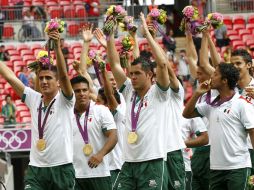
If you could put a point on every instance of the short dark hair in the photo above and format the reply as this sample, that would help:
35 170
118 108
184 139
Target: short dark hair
79 79
146 64
244 54
49 67
182 51
7 96
146 54
229 72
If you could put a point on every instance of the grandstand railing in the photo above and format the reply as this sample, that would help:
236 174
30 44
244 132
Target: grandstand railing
234 6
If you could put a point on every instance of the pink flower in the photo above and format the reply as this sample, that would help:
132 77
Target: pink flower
154 13
217 16
188 12
92 54
119 9
53 24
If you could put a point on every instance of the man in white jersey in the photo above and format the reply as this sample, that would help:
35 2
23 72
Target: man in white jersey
229 125
242 60
144 135
51 110
94 137
194 133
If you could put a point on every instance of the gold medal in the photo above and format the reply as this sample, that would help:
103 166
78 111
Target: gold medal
41 144
132 137
88 149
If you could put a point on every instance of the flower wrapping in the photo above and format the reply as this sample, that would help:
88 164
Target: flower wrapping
127 24
54 24
215 19
115 14
158 15
127 46
42 59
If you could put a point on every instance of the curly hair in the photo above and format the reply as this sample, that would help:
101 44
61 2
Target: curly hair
229 72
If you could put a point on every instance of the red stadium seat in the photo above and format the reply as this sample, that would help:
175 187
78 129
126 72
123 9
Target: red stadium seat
237 27
244 32
251 19
238 19
55 12
80 11
77 50
227 20
35 46
10 47
75 45
234 38
232 32
15 58
250 42
250 26
13 52
238 44
22 47
8 31
246 37
28 58
24 52
73 29
69 11
26 119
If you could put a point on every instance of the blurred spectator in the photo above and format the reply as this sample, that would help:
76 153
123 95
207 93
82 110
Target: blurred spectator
2 17
227 55
201 5
169 42
32 79
4 55
18 6
183 68
23 76
29 25
65 52
9 111
221 36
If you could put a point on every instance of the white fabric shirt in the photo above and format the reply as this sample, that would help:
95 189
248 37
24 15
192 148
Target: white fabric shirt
150 127
174 120
116 155
227 132
190 128
57 131
99 121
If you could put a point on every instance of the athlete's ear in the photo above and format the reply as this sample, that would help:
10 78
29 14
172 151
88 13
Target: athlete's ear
58 83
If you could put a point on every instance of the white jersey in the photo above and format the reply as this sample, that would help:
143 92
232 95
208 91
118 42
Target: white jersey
243 92
227 132
99 121
57 132
150 126
190 128
116 155
174 120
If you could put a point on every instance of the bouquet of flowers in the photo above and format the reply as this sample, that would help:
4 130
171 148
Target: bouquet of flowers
54 24
127 24
42 59
94 59
115 14
127 46
190 20
213 19
157 15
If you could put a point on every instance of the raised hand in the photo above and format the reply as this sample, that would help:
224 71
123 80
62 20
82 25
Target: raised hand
76 66
144 28
100 37
203 87
87 33
250 91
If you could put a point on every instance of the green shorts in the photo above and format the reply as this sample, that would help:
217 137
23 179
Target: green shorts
146 175
50 178
96 183
229 179
252 160
188 177
114 178
176 170
200 167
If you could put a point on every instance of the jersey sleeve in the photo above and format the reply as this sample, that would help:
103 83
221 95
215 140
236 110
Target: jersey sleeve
69 102
30 97
203 109
247 114
107 120
198 125
126 89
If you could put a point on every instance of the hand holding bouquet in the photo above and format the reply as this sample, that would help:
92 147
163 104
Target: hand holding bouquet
127 46
213 19
53 24
157 15
115 14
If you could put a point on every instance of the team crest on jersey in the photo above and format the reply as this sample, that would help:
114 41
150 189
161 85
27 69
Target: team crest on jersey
246 98
226 111
90 119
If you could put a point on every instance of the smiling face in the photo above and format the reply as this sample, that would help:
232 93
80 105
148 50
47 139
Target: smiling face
48 82
241 65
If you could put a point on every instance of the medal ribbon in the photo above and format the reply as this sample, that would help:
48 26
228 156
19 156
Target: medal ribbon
41 127
217 102
84 132
134 117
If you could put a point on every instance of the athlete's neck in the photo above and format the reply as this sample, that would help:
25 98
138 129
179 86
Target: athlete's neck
244 81
48 98
80 108
142 92
226 93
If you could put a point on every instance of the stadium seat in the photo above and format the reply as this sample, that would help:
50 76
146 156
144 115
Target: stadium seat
35 46
227 20
55 12
251 19
8 31
22 47
24 113
28 58
238 44
250 42
246 37
234 38
15 58
69 11
237 27
238 19
24 52
80 11
13 52
10 47
250 26
26 119
75 45
232 32
243 32
77 50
